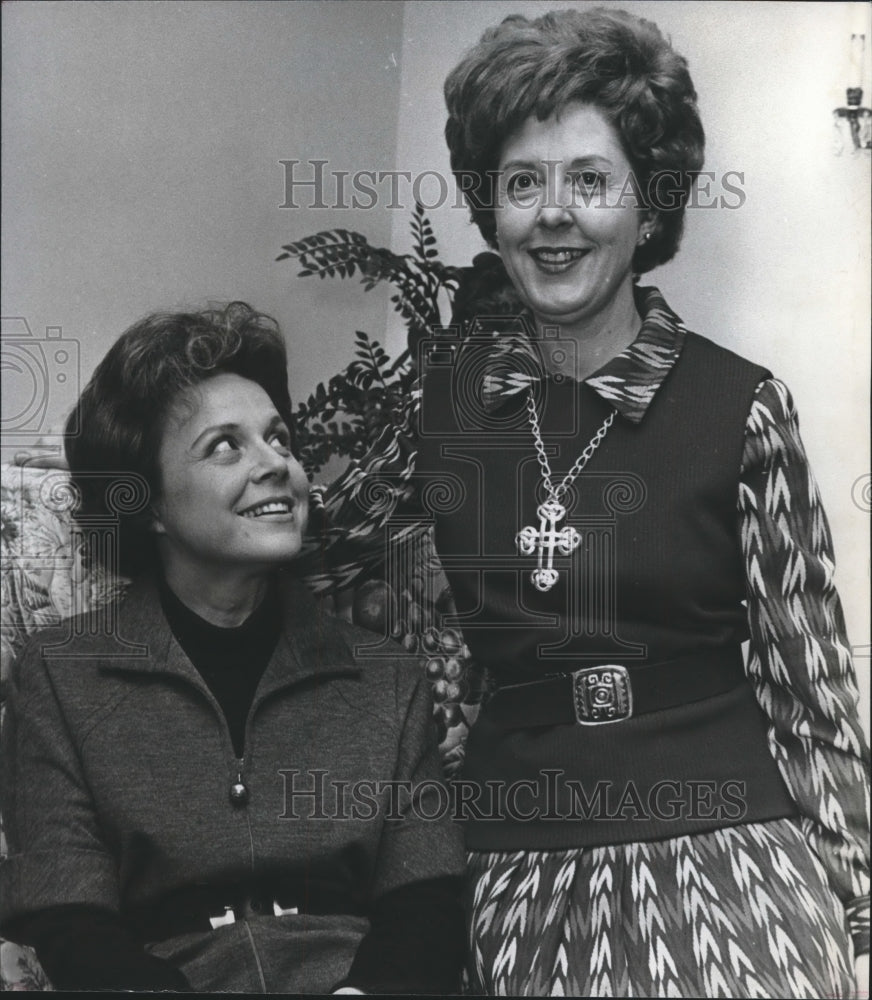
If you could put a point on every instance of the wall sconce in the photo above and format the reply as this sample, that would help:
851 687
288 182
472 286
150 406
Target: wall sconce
853 120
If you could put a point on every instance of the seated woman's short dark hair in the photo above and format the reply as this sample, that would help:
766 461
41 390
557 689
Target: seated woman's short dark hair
122 410
608 58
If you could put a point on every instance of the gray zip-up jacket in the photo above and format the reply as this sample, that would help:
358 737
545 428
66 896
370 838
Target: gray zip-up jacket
119 774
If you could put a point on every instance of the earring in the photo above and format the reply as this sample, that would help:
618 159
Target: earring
647 236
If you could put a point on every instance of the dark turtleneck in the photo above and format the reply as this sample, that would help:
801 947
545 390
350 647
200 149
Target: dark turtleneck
230 660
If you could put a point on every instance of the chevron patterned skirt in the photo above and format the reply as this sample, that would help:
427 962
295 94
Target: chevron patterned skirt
743 911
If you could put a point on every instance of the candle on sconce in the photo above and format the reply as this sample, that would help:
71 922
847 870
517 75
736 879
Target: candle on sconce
853 119
858 47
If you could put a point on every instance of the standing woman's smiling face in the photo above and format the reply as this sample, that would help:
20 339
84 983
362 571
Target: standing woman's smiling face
232 495
566 237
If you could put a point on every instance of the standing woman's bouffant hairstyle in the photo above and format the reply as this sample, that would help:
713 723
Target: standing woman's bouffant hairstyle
604 57
122 411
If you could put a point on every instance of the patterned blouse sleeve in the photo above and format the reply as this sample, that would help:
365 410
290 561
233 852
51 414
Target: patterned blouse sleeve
373 503
800 661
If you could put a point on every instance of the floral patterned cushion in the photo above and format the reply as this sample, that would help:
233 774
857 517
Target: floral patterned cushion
42 580
43 577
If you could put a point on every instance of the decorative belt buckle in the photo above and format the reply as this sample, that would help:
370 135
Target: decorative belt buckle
227 917
247 909
601 694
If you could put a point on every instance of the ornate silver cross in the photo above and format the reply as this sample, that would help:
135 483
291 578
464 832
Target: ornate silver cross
544 540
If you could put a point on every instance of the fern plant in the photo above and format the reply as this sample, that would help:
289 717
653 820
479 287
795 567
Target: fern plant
347 415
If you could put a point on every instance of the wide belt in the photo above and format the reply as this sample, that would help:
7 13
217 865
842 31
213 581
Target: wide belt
206 907
608 693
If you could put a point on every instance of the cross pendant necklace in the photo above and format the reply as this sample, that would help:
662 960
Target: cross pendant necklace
548 538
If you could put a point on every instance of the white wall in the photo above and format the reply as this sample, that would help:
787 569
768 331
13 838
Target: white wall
784 280
141 149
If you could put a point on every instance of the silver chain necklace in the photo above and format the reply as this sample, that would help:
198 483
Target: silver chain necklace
547 538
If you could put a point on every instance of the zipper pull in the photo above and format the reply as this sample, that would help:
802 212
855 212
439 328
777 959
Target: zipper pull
239 790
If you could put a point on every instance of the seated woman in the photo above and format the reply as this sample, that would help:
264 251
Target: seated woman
214 790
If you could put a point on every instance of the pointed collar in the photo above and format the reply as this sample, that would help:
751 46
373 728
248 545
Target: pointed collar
311 644
628 382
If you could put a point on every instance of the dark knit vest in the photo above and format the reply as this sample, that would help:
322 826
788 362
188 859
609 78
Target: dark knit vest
659 575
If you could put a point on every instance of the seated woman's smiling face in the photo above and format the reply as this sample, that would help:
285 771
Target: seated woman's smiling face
565 235
232 495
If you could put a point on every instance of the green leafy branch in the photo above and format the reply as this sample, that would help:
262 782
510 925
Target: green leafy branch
419 277
347 415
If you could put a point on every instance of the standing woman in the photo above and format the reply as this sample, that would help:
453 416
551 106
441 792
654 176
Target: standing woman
632 504
728 543
199 797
